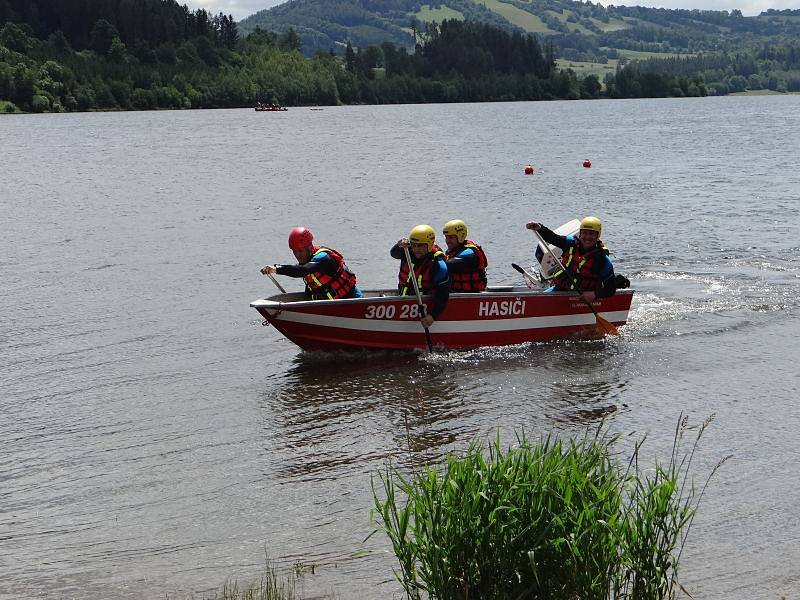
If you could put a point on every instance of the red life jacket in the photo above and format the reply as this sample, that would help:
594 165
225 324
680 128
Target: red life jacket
422 271
583 267
330 287
469 281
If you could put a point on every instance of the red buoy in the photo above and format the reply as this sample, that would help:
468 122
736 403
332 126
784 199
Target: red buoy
528 169
587 163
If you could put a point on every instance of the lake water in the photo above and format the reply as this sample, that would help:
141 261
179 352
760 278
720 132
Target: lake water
156 439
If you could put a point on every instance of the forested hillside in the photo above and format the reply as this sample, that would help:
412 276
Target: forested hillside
138 23
193 60
574 26
580 32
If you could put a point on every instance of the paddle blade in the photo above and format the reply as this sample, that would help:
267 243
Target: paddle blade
606 327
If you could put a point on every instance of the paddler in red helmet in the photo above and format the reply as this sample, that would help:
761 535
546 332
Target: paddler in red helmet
586 259
323 269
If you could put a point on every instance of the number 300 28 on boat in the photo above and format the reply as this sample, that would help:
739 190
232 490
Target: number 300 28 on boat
382 320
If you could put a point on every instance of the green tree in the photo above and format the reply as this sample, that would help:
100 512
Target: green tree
167 54
102 36
23 84
187 52
350 58
116 52
168 97
121 90
373 57
40 104
590 87
103 95
737 83
206 51
86 97
14 38
59 42
143 99
290 40
229 32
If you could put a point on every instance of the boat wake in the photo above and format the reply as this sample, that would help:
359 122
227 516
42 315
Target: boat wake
686 303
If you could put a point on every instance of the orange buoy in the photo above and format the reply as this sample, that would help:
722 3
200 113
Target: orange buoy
528 169
587 163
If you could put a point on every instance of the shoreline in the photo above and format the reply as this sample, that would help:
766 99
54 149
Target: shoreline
17 111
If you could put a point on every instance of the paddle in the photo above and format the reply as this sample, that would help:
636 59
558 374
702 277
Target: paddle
421 306
529 280
275 281
603 325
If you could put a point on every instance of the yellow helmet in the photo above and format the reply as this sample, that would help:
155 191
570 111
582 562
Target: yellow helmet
456 227
592 224
423 234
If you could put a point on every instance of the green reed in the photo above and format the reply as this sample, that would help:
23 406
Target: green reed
270 587
557 519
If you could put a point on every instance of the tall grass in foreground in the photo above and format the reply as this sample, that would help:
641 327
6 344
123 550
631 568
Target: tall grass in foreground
549 520
268 588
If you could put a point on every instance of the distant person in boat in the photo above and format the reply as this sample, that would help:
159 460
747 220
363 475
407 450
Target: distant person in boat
325 274
429 266
585 257
466 261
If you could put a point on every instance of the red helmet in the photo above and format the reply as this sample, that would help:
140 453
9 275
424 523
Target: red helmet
300 238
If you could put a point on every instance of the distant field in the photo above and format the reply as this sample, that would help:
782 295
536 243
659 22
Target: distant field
563 16
789 18
520 18
612 25
635 54
428 14
582 69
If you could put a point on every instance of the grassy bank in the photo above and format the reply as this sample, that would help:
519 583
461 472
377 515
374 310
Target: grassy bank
554 519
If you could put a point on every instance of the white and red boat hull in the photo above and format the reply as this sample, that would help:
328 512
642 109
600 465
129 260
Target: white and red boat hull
384 321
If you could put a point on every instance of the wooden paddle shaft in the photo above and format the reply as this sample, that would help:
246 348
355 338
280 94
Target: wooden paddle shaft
413 277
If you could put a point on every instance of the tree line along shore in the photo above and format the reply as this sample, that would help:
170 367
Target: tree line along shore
168 57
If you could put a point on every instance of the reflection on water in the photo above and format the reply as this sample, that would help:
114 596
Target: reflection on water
327 406
332 401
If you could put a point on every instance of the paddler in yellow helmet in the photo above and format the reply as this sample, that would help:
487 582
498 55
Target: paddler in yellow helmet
585 258
429 269
466 261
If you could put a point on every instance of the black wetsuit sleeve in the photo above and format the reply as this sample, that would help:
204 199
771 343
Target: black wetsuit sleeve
327 266
397 252
459 264
441 294
608 282
549 236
